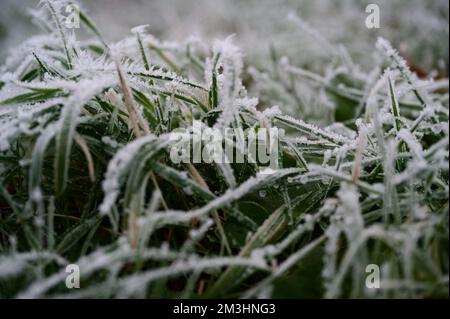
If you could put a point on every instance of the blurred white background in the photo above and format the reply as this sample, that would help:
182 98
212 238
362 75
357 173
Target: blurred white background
419 27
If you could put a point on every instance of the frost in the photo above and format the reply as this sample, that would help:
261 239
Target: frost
363 155
312 129
227 68
116 169
16 264
141 29
272 111
400 63
411 141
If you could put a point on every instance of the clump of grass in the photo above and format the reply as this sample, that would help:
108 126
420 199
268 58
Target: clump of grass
86 176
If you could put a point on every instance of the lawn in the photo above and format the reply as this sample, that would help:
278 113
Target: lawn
353 205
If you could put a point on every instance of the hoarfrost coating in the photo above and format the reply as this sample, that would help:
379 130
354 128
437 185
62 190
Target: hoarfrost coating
361 174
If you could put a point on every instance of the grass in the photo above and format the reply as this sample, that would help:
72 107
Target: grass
86 176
